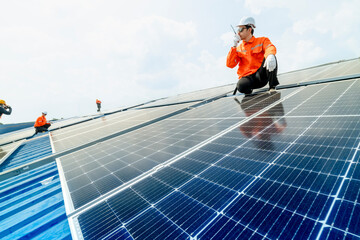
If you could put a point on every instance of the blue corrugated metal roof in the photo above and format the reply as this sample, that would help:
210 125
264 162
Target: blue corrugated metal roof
29 151
30 208
31 203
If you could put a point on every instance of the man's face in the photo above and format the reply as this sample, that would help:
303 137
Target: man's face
243 32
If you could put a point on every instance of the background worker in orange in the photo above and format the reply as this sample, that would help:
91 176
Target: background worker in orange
4 109
98 103
255 58
41 124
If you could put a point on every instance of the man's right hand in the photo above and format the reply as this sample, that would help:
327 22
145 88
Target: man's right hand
236 40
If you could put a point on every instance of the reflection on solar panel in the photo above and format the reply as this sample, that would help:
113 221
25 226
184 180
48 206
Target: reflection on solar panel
282 165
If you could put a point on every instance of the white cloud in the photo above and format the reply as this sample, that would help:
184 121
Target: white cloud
113 60
208 71
304 53
258 6
340 21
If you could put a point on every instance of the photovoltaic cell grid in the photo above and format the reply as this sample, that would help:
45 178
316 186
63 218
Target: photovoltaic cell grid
295 177
337 69
95 171
70 137
90 174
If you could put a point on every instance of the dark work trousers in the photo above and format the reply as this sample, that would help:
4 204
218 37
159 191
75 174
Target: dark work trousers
42 128
258 79
98 106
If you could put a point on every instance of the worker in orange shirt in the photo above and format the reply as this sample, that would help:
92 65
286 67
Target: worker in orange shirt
41 124
98 103
255 58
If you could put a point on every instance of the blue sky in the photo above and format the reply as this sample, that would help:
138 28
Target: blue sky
59 56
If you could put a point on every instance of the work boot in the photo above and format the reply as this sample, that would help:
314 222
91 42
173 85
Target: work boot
272 89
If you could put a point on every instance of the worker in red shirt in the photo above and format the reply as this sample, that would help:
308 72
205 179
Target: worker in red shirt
41 125
98 103
255 58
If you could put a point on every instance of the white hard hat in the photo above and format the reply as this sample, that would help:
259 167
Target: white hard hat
44 112
247 21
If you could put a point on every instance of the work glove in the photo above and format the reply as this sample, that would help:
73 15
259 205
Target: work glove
236 40
270 63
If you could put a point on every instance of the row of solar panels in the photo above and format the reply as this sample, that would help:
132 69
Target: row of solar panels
344 68
214 166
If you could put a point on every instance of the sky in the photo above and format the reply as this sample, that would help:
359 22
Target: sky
60 56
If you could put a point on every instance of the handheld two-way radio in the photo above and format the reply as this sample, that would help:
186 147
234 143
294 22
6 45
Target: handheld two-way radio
233 28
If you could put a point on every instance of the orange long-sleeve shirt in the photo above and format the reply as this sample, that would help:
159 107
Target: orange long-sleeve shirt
40 121
249 55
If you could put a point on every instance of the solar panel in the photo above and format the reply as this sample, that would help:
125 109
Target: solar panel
86 132
7 149
193 96
15 136
106 166
137 152
342 69
290 170
337 69
28 132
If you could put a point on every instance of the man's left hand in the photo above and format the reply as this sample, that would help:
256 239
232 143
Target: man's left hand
270 63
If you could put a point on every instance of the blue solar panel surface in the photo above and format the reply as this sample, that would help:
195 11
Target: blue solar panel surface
70 137
281 166
95 171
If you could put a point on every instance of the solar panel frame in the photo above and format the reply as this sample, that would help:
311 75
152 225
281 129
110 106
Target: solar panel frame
8 149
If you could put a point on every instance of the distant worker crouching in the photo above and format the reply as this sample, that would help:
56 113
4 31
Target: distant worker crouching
255 58
98 104
41 125
4 109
